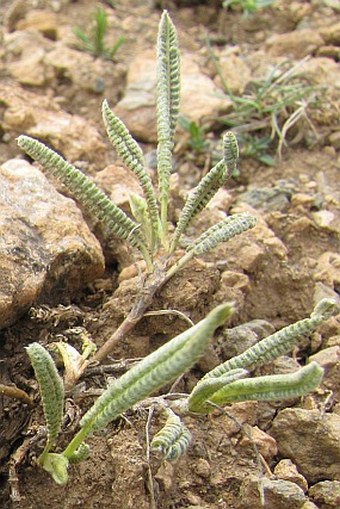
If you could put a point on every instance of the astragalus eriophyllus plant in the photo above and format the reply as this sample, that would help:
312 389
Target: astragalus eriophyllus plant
148 231
225 384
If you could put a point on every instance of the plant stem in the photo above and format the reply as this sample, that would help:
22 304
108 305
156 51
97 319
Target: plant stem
179 264
77 440
12 391
153 283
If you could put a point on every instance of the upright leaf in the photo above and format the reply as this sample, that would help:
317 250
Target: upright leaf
51 391
168 97
132 156
208 186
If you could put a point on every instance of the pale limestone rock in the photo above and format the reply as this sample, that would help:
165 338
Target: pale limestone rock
297 44
328 269
30 69
44 21
328 220
278 494
118 182
41 117
331 34
84 71
47 251
329 359
322 71
319 457
19 42
203 468
25 52
326 494
235 72
287 471
138 108
265 444
222 200
34 60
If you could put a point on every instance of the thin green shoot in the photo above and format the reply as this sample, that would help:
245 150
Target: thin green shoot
248 7
197 139
94 43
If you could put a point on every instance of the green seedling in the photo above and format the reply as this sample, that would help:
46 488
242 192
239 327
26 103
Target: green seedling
227 383
257 148
148 230
94 43
197 140
248 7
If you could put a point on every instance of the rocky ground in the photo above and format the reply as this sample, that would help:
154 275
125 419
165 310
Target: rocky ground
60 270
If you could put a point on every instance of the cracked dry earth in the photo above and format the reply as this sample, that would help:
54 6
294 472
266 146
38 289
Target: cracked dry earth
59 270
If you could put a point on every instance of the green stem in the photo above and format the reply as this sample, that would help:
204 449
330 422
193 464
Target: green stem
179 264
77 440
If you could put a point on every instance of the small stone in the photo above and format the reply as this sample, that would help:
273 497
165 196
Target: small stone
326 494
30 70
327 219
118 182
236 73
309 505
297 44
268 198
202 468
311 440
235 280
320 70
222 200
265 444
328 269
334 140
306 200
287 471
329 360
322 291
41 117
165 476
85 72
331 34
44 21
332 341
330 52
242 337
278 494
